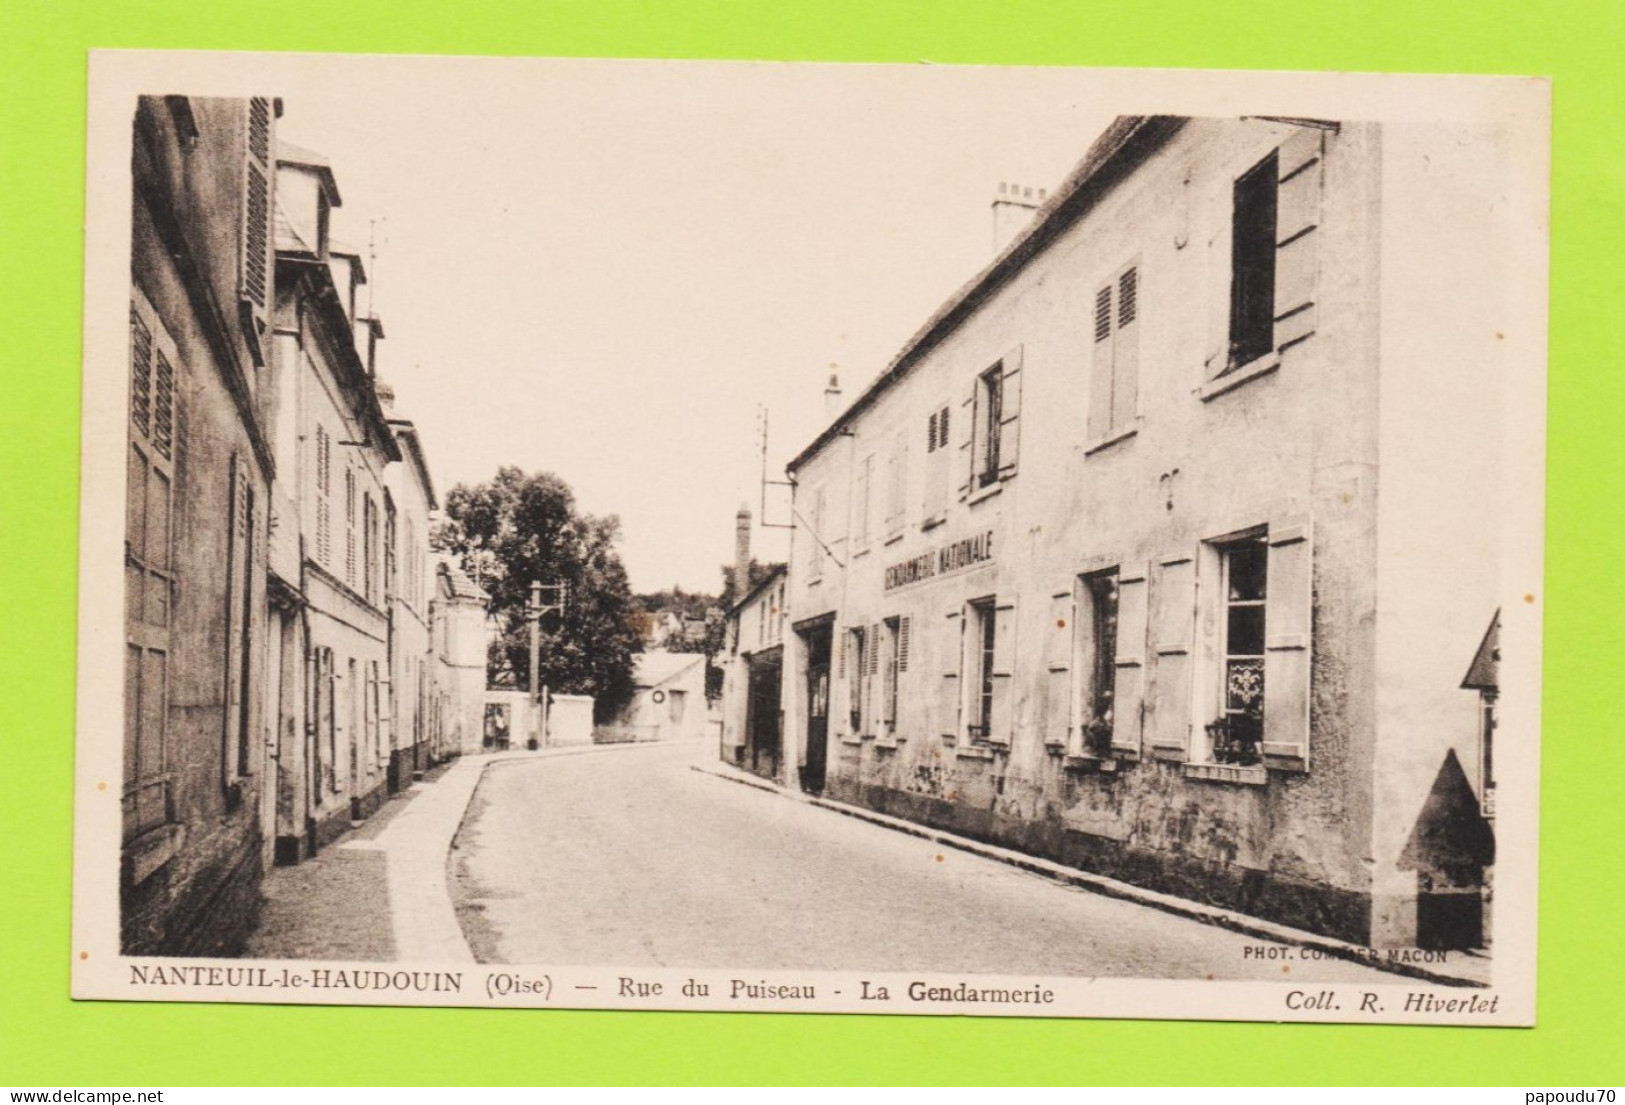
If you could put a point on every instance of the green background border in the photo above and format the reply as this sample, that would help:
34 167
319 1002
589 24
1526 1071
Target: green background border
48 1040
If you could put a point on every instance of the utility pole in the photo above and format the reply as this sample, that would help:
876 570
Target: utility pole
534 610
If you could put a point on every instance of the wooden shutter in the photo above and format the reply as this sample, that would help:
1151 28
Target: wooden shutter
255 255
1126 349
888 675
860 502
1010 413
1100 367
1216 357
1059 633
1288 628
1004 666
1174 601
1128 695
905 634
949 697
967 438
148 573
236 579
349 526
871 679
1300 165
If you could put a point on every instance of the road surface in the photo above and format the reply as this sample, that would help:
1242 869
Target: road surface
625 856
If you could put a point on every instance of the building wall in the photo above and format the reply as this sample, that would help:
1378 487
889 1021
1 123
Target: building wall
754 631
411 583
1445 367
337 770
191 865
461 637
1287 445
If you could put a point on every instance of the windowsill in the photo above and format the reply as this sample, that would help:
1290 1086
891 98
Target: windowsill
848 738
974 752
892 539
934 521
1112 438
890 743
980 494
864 551
1234 378
1254 776
1168 753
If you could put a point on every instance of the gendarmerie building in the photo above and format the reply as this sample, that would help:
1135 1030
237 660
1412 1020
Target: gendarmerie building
1146 553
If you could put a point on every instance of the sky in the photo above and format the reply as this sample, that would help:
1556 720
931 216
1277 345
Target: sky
609 269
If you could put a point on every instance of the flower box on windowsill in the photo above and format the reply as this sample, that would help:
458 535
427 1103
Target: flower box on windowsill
1251 776
1096 764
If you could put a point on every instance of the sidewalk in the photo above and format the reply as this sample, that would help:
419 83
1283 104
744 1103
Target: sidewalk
1461 969
379 893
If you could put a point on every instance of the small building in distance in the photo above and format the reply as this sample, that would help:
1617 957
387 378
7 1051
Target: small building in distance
668 702
460 636
752 675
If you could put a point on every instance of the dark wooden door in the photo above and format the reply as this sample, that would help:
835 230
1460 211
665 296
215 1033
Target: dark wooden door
812 775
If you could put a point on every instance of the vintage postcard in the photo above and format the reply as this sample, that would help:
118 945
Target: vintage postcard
820 538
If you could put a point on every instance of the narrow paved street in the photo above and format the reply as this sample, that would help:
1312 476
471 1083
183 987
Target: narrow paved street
628 857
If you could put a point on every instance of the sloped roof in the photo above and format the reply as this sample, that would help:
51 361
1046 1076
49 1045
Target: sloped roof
289 154
1484 674
654 667
459 585
1122 146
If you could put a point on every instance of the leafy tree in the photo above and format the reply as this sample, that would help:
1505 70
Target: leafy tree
521 528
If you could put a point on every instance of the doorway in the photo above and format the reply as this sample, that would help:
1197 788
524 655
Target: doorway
817 641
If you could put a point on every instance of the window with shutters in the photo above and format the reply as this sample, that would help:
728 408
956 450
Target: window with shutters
1097 662
1262 624
349 527
1114 363
896 483
1266 255
1252 264
254 259
369 549
149 573
1243 589
323 465
814 540
994 409
937 474
856 663
896 637
983 626
989 431
392 586
862 504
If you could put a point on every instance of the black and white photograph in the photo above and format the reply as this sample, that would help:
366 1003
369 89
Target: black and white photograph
765 537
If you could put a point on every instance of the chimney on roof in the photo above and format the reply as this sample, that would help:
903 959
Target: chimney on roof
1013 208
741 552
832 393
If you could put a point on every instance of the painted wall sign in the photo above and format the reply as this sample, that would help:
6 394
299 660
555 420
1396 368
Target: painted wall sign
943 560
